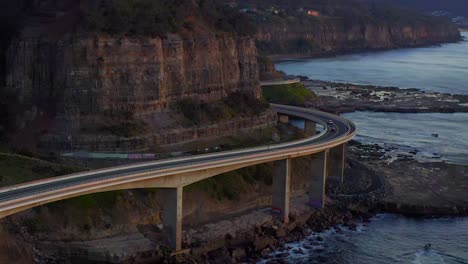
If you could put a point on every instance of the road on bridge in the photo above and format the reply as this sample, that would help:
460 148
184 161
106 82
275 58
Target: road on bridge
23 196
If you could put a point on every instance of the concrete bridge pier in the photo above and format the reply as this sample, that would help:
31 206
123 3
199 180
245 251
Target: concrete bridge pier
319 172
283 118
337 162
281 189
310 128
172 215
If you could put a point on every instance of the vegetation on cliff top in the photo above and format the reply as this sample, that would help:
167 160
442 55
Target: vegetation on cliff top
292 94
161 17
459 7
234 105
350 11
337 18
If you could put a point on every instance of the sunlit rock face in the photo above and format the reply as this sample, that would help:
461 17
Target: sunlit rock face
86 75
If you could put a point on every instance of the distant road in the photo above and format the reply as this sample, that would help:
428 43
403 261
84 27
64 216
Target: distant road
280 82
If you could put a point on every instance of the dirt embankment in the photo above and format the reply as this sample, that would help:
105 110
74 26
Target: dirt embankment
13 249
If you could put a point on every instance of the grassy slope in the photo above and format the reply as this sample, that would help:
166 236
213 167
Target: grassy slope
15 169
230 185
293 94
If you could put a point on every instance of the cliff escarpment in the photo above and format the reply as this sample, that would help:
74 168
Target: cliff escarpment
84 75
66 71
323 39
318 28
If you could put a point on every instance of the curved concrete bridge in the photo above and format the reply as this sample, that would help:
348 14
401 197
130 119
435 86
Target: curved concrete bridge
172 175
280 82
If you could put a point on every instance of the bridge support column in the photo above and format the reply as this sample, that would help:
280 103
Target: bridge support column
319 177
310 128
283 118
172 215
337 162
281 189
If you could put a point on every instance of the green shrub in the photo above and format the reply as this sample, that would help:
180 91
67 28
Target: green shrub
101 200
293 94
234 105
117 123
33 225
17 169
230 185
160 17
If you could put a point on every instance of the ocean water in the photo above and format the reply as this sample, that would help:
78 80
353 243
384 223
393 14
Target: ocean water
442 69
387 239
409 132
392 238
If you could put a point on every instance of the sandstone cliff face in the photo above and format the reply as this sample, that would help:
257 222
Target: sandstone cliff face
267 70
328 37
84 75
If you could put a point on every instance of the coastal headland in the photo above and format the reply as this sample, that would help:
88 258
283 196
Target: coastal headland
190 83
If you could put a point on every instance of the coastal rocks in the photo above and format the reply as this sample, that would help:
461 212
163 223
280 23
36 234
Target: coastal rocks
238 253
411 187
417 210
342 98
133 247
262 242
351 225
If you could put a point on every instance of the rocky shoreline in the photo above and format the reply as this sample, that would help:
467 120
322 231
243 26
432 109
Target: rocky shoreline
346 97
382 179
260 242
379 179
357 201
328 54
420 189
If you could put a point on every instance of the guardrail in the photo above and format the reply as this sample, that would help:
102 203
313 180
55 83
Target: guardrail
219 159
190 158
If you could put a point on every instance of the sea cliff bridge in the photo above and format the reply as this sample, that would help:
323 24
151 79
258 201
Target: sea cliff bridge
171 175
